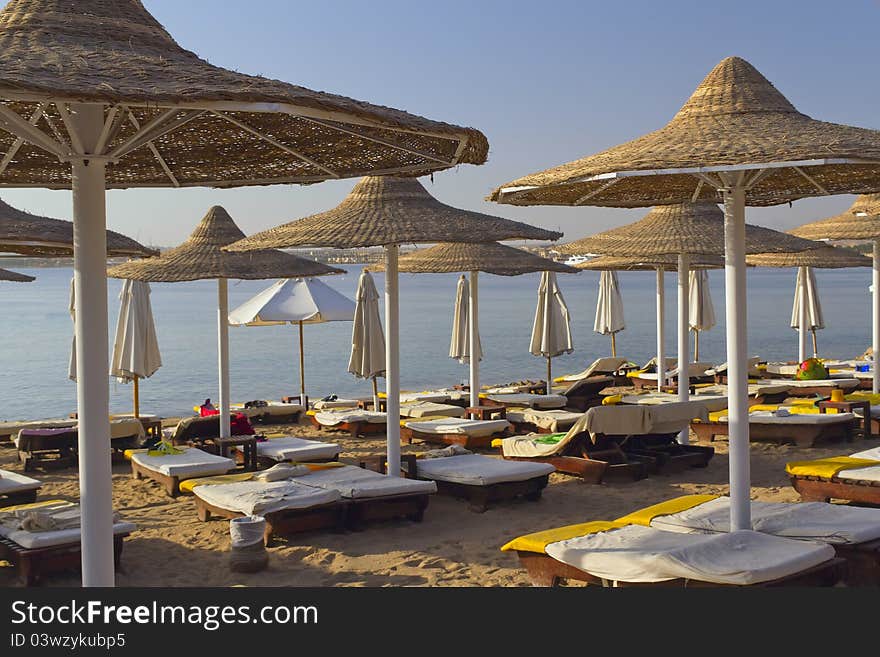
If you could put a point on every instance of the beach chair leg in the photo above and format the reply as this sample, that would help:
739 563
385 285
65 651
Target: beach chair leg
135 474
534 496
203 513
172 487
478 501
27 571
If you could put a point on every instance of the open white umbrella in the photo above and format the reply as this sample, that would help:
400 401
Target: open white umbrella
701 313
459 346
609 308
806 312
135 348
551 332
367 359
295 301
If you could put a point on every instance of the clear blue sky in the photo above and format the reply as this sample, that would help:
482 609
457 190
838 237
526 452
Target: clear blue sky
546 82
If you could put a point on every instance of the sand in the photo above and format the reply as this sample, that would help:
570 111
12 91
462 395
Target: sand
451 547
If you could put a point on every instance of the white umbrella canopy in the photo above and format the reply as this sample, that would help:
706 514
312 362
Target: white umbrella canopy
609 308
459 345
806 289
701 311
135 347
295 301
367 359
551 332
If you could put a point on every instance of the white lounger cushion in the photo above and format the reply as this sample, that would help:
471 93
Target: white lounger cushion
33 540
554 420
436 397
289 448
334 417
337 403
273 409
478 470
424 408
795 383
769 417
528 399
358 483
526 447
257 497
463 426
643 554
13 482
711 402
868 473
818 521
192 463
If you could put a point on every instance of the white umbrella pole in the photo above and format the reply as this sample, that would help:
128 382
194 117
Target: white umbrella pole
661 332
302 368
473 337
875 298
737 356
684 334
802 319
392 359
223 353
92 340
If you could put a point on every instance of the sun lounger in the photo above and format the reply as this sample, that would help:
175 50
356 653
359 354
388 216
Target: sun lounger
290 448
607 366
585 393
419 409
355 421
719 372
801 427
288 506
39 553
481 480
170 469
9 430
711 402
855 478
853 532
593 447
16 488
272 413
530 400
697 373
810 388
455 431
531 420
326 405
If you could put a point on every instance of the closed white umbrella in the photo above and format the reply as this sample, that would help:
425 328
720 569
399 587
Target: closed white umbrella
71 308
367 339
135 348
551 332
701 313
806 296
459 346
295 301
609 308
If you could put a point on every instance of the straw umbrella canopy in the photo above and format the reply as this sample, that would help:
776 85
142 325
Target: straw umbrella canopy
609 308
97 94
551 331
367 360
684 229
389 211
807 311
295 301
15 277
659 264
473 258
135 347
701 311
200 258
737 139
860 222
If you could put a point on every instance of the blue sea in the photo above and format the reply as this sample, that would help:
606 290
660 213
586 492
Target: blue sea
37 329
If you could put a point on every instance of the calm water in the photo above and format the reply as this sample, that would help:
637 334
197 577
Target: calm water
37 335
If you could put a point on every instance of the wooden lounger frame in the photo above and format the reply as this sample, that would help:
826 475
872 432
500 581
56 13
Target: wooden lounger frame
803 435
18 497
544 570
58 451
356 429
171 483
34 563
264 462
823 489
407 434
668 452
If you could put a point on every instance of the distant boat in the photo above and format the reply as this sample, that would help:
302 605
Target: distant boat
575 260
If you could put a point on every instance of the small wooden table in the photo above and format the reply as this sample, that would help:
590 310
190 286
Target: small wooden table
486 412
248 447
152 426
367 404
848 407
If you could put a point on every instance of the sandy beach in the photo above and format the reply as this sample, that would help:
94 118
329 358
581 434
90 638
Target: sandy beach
451 547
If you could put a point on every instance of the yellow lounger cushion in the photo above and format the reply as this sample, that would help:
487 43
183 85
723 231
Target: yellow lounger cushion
128 453
497 442
826 468
187 485
869 397
33 505
675 505
539 540
611 400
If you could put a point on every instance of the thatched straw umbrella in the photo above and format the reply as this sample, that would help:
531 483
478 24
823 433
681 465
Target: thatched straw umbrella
659 264
98 95
15 277
739 140
860 222
388 211
825 257
200 258
473 258
684 229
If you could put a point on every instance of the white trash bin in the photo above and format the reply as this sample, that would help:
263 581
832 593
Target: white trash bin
248 554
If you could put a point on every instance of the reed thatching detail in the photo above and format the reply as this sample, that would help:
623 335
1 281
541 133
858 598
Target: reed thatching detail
383 210
202 124
29 234
666 263
15 277
489 257
825 257
860 222
692 228
201 257
735 119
